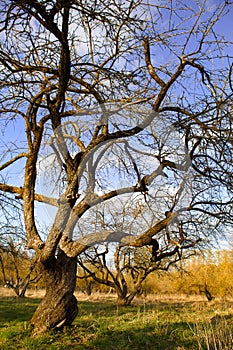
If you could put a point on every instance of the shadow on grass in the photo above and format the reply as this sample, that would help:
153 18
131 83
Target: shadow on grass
139 338
13 309
102 325
132 327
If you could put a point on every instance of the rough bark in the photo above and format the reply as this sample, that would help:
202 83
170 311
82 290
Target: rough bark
59 306
124 298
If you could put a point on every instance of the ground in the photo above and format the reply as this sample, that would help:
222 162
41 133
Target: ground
154 322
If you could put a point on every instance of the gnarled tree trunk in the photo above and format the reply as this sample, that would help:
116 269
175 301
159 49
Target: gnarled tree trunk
59 305
125 299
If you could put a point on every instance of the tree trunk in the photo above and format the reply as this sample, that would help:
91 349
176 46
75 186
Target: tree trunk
126 299
59 305
122 296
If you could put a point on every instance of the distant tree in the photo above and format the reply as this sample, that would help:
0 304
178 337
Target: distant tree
101 101
124 268
17 268
208 273
127 273
85 282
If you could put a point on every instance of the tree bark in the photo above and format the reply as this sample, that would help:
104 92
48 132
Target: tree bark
126 300
59 305
122 298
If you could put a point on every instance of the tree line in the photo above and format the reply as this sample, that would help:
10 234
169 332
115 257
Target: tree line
206 274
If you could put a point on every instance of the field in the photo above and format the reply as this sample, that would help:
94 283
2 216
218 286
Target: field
150 323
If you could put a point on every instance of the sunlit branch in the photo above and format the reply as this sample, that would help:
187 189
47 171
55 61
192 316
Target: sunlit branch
18 191
11 161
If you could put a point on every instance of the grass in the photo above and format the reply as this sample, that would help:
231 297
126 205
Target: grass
101 324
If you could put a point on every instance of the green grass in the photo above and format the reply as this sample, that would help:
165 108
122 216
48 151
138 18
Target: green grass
102 325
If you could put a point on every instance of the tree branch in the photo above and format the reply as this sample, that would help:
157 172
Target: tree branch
11 161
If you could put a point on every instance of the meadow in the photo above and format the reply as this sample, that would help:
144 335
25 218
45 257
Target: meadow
154 322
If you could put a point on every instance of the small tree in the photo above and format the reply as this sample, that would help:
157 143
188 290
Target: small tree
124 268
102 100
85 282
16 266
128 272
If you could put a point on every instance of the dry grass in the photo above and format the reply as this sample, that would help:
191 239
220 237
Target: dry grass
30 293
98 296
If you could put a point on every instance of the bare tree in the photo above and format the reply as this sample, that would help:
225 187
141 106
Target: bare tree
126 274
15 278
102 101
16 265
123 268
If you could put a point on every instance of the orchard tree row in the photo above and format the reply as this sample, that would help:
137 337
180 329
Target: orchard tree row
126 273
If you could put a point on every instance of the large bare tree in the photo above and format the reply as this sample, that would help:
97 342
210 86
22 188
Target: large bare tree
113 100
